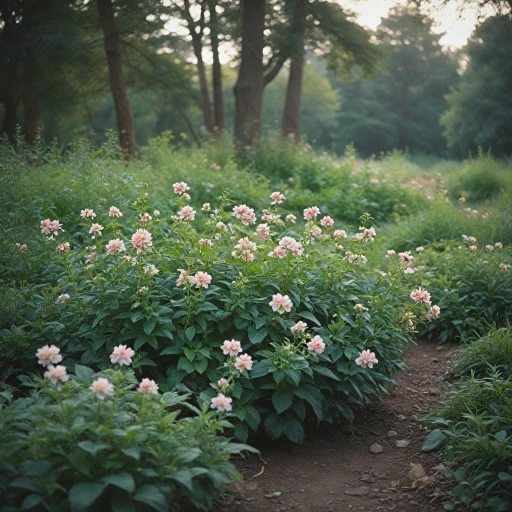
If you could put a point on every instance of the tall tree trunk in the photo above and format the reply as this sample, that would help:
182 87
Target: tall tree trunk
123 107
249 86
203 84
11 100
291 113
30 101
218 97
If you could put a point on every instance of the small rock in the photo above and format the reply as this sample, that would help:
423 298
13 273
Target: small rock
416 472
434 391
401 417
392 433
394 483
439 467
366 478
440 347
274 494
402 443
376 448
422 482
358 491
435 360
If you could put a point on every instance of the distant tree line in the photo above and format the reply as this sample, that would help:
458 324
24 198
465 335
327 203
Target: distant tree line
303 67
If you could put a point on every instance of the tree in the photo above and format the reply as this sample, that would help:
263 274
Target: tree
401 108
124 114
326 29
480 107
218 95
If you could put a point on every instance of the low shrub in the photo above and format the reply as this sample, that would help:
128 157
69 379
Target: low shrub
176 295
476 425
96 442
472 285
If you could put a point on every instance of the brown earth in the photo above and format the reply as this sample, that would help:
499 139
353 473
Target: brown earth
334 469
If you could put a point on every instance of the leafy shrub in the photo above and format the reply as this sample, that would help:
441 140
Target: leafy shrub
476 423
64 448
473 288
479 179
177 320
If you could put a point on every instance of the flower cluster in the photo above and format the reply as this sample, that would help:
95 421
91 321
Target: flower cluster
244 250
287 245
245 214
281 303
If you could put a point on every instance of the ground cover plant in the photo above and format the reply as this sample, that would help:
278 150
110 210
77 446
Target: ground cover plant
476 424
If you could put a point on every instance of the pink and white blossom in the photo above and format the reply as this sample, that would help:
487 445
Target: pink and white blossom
498 245
180 187
340 233
245 214
291 218
50 227
222 403
300 326
49 354
434 312
390 253
205 241
201 280
277 197
263 231
115 246
311 213
281 303
187 213
102 387
326 221
316 345
231 347
148 387
151 269
222 383
63 297
504 267
145 217
122 355
96 230
56 373
366 359
421 296
63 247
87 213
114 212
243 362
406 256
142 240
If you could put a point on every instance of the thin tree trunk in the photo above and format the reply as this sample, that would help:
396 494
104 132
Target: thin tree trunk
291 113
123 108
30 101
249 86
11 100
218 97
203 83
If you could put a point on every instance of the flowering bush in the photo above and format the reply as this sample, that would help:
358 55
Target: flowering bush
98 442
273 324
472 285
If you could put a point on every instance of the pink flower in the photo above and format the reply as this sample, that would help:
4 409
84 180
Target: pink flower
145 217
21 248
148 387
63 297
277 197
291 218
263 231
245 214
122 355
222 383
202 280
205 241
115 246
291 245
221 403
281 303
473 247
151 269
374 181
498 245
433 313
187 213
504 267
180 188
49 354
366 234
96 230
299 327
366 359
221 225
102 387
421 296
390 253
360 308
56 373
63 247
279 252
87 213
340 233
206 207
231 348
420 248
50 226
183 277
243 362
311 213
316 345
326 221
405 256
114 212
142 240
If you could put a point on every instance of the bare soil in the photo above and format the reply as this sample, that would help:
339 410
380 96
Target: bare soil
334 469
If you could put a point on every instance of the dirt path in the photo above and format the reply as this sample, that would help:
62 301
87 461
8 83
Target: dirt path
334 469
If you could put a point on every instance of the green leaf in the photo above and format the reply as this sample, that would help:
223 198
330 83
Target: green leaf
92 447
31 501
185 476
167 351
124 481
252 417
260 369
133 452
84 494
241 432
257 336
505 477
152 497
200 366
282 400
190 353
322 370
294 431
433 440
190 333
309 316
83 373
150 324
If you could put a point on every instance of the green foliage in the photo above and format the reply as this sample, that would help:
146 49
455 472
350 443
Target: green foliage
479 114
476 422
65 449
480 179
